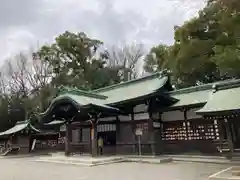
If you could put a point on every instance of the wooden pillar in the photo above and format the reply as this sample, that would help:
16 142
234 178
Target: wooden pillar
94 147
221 134
159 145
229 136
67 140
151 133
118 133
133 124
185 121
30 143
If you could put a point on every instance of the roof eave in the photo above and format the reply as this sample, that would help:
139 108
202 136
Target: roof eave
188 106
219 112
156 75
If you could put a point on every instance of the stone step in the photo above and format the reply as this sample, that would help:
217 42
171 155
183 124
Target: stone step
86 161
149 160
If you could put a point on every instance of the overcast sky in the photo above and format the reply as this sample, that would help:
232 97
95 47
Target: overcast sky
26 23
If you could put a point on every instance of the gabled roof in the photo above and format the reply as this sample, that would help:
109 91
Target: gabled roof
198 95
133 89
224 98
19 126
112 95
78 92
77 97
191 96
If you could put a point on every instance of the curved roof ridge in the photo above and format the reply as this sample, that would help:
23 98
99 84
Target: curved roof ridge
158 74
192 89
75 91
224 84
232 83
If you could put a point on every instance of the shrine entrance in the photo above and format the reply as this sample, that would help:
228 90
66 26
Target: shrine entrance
108 133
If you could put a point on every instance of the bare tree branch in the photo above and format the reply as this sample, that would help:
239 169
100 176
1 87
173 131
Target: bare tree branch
26 73
126 59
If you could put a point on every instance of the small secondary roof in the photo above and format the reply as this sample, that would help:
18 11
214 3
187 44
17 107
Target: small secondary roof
191 96
19 126
197 95
225 98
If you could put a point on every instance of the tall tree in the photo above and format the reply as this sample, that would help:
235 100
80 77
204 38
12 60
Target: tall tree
75 61
126 59
157 58
206 48
26 85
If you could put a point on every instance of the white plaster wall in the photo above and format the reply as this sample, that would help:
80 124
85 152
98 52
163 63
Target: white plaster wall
141 116
191 114
108 119
172 116
125 118
140 108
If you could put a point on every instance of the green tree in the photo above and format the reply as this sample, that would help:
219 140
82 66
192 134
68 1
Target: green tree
157 58
206 48
76 62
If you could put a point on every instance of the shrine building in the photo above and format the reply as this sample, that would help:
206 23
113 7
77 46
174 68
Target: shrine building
201 119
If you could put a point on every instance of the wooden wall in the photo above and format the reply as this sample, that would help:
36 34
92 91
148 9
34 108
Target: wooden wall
192 135
179 135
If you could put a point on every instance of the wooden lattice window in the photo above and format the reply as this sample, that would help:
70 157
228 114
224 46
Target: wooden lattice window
106 127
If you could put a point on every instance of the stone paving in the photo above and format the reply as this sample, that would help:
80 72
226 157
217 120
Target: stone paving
28 169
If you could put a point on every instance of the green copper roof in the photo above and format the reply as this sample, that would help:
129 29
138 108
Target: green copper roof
19 127
199 94
55 122
191 96
112 94
225 98
100 108
77 100
78 92
133 89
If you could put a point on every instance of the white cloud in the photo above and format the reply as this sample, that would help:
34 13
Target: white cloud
26 22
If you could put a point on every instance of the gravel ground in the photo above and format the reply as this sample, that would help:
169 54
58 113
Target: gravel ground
27 169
